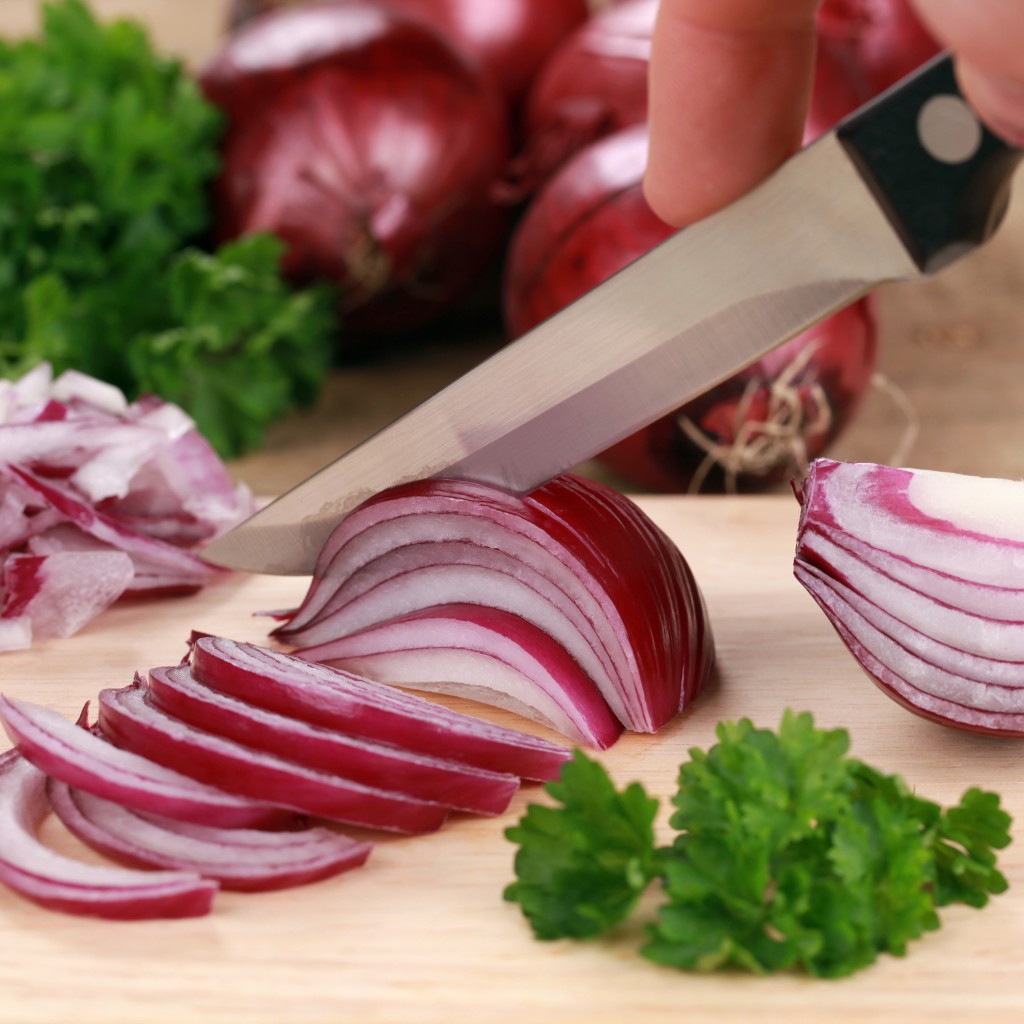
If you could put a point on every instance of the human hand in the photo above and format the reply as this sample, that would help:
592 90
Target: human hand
730 82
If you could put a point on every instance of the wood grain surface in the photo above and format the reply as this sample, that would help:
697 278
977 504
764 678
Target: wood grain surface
421 933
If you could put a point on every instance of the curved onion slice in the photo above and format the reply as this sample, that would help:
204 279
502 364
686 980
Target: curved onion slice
486 655
52 880
81 758
355 706
575 559
920 573
133 723
245 860
177 692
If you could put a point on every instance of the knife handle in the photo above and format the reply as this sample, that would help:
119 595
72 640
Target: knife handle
941 176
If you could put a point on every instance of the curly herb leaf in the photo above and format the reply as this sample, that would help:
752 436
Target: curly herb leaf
789 855
582 867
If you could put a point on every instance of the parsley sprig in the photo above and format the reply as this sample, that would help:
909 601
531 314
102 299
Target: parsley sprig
788 854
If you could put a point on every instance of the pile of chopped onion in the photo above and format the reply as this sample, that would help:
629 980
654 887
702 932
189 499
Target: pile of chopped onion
569 605
922 575
99 498
239 769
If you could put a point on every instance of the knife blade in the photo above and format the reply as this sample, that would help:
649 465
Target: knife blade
897 191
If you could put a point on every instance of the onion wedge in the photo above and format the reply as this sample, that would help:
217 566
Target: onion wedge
244 860
356 706
57 882
573 559
135 724
922 575
177 692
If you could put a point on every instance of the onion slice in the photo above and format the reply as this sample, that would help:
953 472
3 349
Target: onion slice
919 573
245 860
177 692
57 882
135 724
81 758
574 560
483 654
355 706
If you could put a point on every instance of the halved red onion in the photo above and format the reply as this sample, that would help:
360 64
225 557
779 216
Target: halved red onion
358 707
81 758
246 860
574 560
134 724
57 882
485 654
177 692
920 574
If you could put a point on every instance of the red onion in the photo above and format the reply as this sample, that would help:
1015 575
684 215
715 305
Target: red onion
883 40
357 707
99 499
593 84
371 146
246 860
177 692
57 882
757 428
81 758
578 564
919 573
510 39
135 724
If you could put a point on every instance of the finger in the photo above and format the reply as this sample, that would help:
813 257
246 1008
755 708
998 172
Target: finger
729 86
987 37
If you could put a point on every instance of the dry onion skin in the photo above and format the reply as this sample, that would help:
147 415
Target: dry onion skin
569 605
922 575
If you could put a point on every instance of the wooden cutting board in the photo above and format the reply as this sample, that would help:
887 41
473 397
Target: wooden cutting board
422 934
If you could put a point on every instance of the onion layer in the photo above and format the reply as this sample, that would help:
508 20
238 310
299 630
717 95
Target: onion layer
579 565
245 860
920 574
61 883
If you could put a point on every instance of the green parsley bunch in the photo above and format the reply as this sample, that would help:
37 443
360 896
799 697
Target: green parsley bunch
788 853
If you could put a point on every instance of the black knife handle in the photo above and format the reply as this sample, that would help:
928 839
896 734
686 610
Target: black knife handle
940 175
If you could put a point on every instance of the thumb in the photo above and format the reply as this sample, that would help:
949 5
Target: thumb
987 40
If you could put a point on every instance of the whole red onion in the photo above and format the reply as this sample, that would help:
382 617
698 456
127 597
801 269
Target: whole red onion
371 146
883 39
757 428
509 38
594 83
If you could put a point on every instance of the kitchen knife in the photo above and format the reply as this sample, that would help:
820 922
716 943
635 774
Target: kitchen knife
898 190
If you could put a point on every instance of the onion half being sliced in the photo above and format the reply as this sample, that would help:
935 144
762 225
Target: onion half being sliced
922 575
575 562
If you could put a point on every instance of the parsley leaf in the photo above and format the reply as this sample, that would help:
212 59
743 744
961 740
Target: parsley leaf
788 854
581 868
238 328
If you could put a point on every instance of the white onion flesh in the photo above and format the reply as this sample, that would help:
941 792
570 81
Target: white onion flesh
922 575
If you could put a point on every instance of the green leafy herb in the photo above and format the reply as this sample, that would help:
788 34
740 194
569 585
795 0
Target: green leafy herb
107 152
596 852
788 854
247 349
